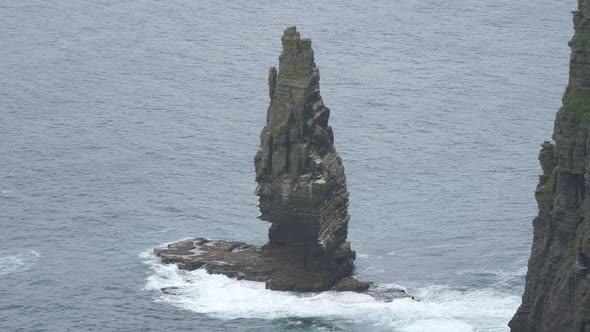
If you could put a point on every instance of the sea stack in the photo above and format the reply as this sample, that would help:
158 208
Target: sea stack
301 182
557 291
302 193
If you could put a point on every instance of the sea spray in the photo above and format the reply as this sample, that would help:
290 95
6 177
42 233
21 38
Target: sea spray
437 307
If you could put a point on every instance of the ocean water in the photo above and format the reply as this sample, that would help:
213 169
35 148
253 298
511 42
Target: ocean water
125 125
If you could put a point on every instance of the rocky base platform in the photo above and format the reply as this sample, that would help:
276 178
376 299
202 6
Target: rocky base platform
264 264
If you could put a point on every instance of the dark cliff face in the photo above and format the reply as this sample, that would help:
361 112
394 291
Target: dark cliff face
301 182
557 291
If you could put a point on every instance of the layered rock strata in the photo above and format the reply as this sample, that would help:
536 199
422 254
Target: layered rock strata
557 291
301 182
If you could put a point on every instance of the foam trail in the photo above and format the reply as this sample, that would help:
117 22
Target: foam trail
500 279
17 261
439 309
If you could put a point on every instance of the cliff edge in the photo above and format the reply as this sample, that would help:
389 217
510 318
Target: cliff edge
557 291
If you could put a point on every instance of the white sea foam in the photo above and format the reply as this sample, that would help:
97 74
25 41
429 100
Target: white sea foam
439 308
17 261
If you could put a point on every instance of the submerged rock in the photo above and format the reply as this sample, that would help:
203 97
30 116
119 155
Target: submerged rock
557 291
387 294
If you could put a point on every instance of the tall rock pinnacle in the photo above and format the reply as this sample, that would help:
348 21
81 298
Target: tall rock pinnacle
301 182
557 291
302 193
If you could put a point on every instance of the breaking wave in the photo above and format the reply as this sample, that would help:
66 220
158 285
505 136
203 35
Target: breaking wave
439 308
17 261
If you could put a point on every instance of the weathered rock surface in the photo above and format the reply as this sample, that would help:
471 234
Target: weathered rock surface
557 291
353 285
244 261
301 182
233 259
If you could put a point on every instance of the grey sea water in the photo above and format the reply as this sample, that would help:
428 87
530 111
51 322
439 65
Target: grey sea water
128 124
